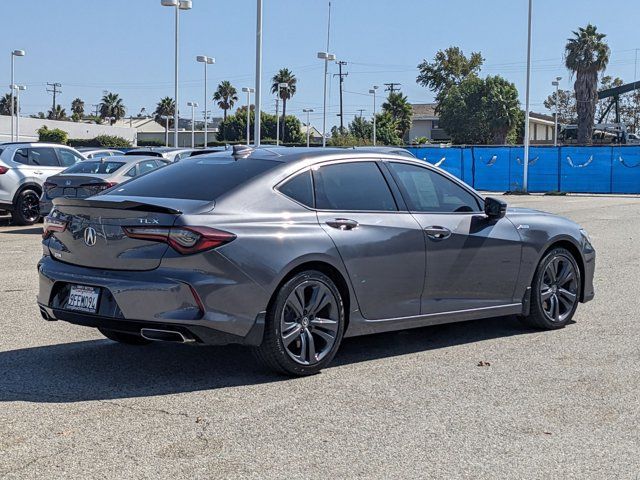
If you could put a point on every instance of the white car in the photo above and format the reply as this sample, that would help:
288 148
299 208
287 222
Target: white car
24 167
90 152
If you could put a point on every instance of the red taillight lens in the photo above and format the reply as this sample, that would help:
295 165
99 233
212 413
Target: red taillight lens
3 170
99 186
184 240
50 185
52 225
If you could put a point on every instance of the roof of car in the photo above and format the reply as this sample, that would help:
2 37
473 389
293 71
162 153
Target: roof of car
97 149
36 144
124 159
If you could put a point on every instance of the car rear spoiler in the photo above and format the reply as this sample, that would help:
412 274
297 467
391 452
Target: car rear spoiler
121 205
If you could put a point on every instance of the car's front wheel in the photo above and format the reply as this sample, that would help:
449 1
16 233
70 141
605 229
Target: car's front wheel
304 325
123 337
555 291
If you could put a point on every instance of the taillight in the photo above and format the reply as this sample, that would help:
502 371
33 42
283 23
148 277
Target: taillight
50 185
184 240
3 170
51 225
99 186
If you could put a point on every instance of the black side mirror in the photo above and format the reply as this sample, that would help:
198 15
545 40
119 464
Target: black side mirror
494 207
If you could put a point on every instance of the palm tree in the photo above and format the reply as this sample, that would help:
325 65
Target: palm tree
400 109
166 107
58 113
112 106
225 97
77 107
284 76
586 55
5 105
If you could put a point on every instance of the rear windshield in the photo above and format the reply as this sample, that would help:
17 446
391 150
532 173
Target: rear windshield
143 152
89 166
195 179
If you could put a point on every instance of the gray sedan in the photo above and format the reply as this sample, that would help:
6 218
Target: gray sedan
291 250
90 177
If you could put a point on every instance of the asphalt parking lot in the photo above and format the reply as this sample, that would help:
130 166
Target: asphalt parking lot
486 399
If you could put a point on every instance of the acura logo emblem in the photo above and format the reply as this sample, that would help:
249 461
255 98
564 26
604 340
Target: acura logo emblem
90 236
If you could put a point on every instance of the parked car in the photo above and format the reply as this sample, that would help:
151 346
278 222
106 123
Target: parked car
205 151
23 169
290 250
91 152
172 154
90 177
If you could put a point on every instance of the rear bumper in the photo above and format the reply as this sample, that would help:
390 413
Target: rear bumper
130 300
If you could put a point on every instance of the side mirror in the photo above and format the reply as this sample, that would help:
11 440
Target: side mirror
494 207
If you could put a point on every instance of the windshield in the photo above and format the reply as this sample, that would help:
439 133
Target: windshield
94 167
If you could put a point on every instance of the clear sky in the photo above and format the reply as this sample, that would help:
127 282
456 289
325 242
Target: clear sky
126 46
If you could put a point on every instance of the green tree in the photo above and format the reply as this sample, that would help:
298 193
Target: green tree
58 113
5 105
77 110
284 76
448 68
361 128
111 105
480 111
586 55
225 97
401 111
54 135
387 130
166 107
566 101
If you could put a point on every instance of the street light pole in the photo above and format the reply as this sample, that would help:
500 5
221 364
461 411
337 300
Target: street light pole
327 57
248 91
308 111
256 127
178 5
15 53
373 91
18 89
207 61
193 106
166 128
525 176
556 84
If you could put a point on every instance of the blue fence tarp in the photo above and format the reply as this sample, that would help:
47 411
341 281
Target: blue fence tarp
601 169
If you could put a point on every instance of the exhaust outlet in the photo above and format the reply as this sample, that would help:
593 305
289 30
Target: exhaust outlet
157 335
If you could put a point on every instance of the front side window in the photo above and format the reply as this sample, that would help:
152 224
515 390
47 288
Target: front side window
428 191
68 158
356 186
299 188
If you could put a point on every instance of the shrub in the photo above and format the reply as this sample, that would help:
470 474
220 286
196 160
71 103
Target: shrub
52 136
108 141
150 143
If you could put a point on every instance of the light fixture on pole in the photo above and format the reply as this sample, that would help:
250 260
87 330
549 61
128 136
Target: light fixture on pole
18 89
166 119
193 106
327 57
556 84
14 54
308 111
248 91
525 175
178 5
281 85
373 91
207 61
258 106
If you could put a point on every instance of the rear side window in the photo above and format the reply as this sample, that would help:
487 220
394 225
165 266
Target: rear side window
197 179
21 156
39 156
428 191
299 188
146 166
352 186
95 167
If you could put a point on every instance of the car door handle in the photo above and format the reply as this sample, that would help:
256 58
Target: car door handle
437 233
342 223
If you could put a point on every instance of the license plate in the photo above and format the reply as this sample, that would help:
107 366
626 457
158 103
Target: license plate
83 299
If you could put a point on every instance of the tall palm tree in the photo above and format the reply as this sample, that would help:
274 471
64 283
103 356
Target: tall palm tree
5 104
225 97
400 109
166 107
586 55
77 107
112 106
284 76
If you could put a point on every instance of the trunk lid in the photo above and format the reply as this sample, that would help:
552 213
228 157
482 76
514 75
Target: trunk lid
94 235
76 186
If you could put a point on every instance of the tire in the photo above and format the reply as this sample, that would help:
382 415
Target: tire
303 343
26 208
122 337
554 298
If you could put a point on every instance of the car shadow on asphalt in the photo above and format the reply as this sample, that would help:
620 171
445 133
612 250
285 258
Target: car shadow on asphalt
104 370
23 231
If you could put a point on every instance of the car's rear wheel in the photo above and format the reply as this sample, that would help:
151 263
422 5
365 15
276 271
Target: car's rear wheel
123 337
555 291
304 325
27 208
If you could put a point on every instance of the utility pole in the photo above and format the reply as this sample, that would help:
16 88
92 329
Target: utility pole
361 110
341 75
55 90
96 106
391 87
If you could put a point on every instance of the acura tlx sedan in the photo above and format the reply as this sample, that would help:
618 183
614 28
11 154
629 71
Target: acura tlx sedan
291 250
